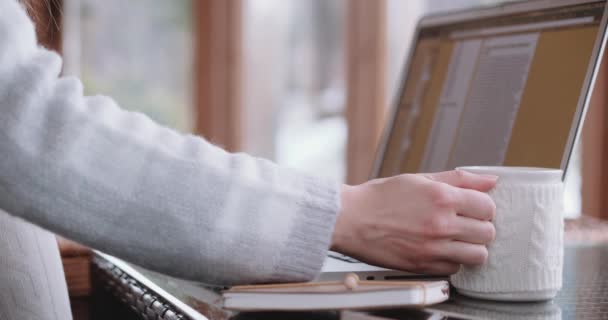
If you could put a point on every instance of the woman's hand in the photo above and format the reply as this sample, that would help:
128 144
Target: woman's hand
423 223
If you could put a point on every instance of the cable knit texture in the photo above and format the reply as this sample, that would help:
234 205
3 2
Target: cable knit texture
527 254
115 180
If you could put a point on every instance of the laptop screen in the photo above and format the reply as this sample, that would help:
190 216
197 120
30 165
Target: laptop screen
500 90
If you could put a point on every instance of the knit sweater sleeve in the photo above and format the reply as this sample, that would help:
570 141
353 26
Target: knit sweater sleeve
114 180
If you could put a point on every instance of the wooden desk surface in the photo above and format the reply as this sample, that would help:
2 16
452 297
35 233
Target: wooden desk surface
584 295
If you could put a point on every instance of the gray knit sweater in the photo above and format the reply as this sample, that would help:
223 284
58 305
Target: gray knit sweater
116 181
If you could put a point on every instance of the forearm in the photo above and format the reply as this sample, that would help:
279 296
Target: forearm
114 180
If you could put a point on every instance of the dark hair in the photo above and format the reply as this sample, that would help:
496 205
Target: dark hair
30 7
46 15
37 8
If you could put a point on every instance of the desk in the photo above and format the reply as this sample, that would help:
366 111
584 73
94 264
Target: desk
154 296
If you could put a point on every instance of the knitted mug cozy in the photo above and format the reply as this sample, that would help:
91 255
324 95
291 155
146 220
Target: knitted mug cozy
527 255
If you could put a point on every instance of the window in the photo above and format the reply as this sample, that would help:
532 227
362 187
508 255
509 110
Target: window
138 52
294 83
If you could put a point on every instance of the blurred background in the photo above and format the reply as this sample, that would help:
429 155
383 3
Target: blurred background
306 83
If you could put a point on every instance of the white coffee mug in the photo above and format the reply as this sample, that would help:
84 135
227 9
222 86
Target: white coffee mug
525 261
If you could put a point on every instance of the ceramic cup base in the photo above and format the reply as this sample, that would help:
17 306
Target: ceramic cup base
527 296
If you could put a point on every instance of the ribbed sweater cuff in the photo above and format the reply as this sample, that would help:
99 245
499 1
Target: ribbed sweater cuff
305 251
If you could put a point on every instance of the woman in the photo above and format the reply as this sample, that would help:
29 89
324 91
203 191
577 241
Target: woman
114 180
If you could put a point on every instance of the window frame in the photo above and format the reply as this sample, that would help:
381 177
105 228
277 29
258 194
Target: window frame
595 149
366 54
218 71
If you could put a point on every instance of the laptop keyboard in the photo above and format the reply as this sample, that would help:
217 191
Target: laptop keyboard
342 257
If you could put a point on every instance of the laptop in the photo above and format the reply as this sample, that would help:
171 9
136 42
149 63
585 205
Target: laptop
505 85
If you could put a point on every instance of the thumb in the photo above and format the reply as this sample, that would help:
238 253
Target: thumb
464 179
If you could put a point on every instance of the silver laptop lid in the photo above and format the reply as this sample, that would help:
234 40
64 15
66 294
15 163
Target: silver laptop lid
506 85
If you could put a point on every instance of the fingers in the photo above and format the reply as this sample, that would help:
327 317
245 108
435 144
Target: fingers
474 231
440 268
464 179
474 204
464 253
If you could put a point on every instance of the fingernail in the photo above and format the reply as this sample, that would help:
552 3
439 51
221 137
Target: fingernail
490 176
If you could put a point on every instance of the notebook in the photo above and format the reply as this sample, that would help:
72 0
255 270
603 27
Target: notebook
335 295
